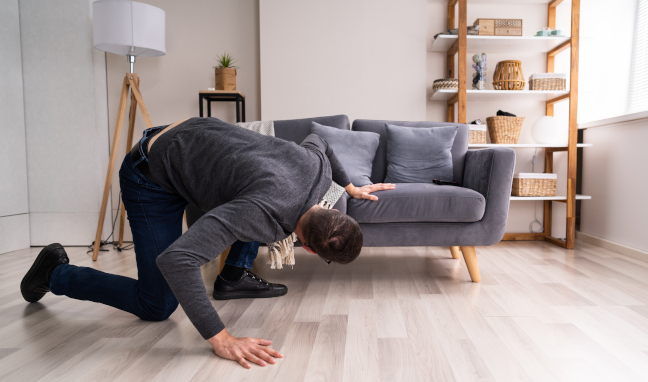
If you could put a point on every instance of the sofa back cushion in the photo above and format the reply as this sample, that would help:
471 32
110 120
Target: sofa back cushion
379 169
418 155
355 150
296 130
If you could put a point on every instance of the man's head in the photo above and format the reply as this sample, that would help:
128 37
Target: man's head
332 235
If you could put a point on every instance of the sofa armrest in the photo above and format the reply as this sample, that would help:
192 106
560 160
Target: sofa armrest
341 204
490 172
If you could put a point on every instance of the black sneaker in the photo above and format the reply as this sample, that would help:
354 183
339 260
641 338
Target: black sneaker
36 282
248 286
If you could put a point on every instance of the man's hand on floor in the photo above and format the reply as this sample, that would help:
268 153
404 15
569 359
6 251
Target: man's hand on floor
365 191
242 350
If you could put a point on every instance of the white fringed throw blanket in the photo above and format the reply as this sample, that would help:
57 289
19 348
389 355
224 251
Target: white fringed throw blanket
283 252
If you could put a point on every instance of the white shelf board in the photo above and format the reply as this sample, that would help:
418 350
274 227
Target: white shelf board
578 197
487 95
521 145
500 44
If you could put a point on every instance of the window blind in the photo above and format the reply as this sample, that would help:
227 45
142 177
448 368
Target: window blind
638 89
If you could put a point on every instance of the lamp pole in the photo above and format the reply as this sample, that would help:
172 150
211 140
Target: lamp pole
131 60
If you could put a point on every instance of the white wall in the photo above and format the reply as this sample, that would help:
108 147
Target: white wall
196 32
615 173
14 206
362 58
66 131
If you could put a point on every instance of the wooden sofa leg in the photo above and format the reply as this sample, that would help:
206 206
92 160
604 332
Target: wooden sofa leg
470 256
456 252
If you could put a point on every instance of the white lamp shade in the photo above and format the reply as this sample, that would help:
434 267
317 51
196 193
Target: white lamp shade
547 130
128 28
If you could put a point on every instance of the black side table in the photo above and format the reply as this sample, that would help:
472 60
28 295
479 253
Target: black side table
223 96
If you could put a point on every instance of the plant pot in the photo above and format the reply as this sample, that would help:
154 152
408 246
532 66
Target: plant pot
225 79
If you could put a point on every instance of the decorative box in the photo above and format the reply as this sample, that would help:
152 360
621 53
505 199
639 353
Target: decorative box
534 184
499 27
548 81
478 134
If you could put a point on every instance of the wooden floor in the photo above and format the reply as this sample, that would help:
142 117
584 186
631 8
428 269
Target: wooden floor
541 313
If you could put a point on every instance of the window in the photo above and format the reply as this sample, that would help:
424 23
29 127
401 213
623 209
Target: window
638 87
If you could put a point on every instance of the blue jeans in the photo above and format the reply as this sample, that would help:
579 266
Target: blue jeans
155 218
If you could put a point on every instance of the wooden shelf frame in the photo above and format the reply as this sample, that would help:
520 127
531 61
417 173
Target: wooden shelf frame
458 101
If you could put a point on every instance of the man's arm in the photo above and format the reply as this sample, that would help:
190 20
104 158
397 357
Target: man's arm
339 175
337 170
240 219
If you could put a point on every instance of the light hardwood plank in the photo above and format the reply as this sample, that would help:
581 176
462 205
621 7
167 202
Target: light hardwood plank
312 304
361 361
427 349
327 359
396 361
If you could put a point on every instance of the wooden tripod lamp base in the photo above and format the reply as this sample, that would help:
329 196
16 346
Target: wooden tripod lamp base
130 81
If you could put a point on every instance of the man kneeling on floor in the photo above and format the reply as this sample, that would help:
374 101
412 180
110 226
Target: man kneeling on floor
256 188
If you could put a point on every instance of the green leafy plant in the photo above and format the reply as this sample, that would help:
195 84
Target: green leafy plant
225 60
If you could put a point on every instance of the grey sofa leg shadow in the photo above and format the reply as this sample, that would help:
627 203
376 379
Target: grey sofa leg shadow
470 256
455 252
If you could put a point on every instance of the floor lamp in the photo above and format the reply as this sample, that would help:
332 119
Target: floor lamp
130 29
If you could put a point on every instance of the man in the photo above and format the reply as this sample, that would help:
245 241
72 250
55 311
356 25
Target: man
256 188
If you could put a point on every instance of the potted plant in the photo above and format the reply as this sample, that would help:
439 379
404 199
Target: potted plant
225 72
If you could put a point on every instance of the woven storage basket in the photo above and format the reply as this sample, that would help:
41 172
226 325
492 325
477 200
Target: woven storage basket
504 129
508 76
547 84
530 184
445 83
478 134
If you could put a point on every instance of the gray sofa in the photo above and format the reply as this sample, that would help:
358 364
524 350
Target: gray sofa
422 214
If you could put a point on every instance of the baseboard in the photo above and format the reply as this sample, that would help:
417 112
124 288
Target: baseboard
612 246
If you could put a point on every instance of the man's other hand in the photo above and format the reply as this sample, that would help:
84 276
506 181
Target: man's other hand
242 350
365 191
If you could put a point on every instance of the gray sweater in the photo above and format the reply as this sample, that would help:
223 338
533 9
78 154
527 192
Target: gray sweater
254 187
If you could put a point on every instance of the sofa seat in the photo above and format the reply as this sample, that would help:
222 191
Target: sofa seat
419 202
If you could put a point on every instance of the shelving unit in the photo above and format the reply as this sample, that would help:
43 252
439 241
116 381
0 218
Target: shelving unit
460 45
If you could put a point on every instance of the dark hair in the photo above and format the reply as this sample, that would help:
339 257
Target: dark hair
333 235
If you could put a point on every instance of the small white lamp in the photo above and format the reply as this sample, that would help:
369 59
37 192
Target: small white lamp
546 130
131 29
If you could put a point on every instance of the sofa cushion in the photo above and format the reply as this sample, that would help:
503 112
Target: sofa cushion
379 168
296 130
419 202
354 149
416 155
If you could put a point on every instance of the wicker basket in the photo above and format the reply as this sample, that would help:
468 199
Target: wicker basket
547 84
504 129
508 76
446 83
530 184
478 134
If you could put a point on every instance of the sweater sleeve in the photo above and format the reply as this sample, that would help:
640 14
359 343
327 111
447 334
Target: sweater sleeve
314 141
241 219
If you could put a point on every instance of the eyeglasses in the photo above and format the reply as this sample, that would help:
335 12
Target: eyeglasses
328 262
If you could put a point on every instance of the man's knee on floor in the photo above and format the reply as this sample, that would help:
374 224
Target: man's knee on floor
158 312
